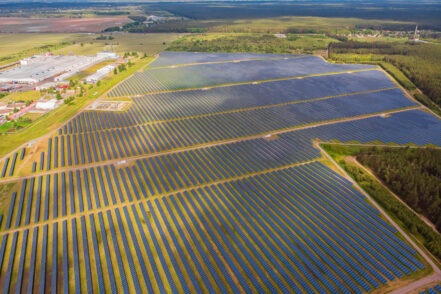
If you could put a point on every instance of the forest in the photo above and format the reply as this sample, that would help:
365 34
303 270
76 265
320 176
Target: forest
420 62
411 173
256 43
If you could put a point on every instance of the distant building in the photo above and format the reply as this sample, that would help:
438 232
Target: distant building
45 86
154 18
7 87
5 111
107 55
17 105
40 67
280 36
70 92
99 74
47 104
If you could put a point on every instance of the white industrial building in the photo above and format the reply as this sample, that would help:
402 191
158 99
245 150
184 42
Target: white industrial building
107 55
39 68
99 74
47 104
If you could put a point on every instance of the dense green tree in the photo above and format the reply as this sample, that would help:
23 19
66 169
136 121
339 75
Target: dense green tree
413 174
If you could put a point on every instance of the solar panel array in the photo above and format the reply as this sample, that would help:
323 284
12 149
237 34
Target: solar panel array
196 76
434 290
196 198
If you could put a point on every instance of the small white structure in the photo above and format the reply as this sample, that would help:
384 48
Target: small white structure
46 86
107 55
46 105
99 74
280 36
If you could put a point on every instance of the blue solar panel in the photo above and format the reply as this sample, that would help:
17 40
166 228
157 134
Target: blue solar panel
42 285
31 272
107 254
29 206
14 160
9 271
20 204
22 153
49 153
141 261
76 257
96 257
19 281
86 255
127 250
54 273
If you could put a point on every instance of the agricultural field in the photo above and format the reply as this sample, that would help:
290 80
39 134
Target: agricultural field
121 43
212 180
16 25
22 96
79 44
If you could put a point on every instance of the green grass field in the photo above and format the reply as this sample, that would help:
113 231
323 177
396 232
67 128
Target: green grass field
22 96
143 43
12 43
71 43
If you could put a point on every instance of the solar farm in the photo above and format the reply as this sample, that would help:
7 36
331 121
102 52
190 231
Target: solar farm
211 180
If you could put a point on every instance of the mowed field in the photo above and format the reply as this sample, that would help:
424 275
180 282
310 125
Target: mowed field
210 182
79 44
21 41
123 42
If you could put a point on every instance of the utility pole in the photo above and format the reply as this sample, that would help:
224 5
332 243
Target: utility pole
415 34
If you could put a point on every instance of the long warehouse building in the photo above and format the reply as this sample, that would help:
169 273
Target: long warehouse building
39 68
